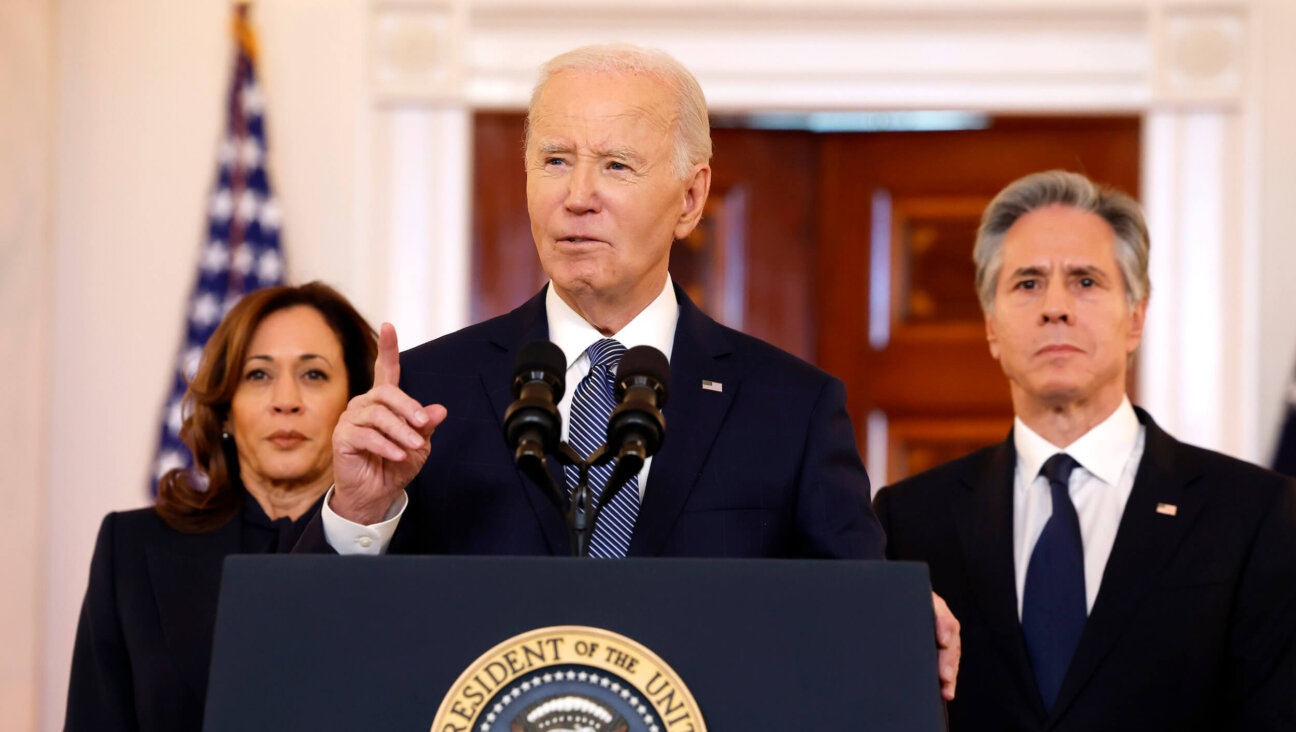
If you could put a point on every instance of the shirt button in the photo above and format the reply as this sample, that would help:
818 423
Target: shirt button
365 541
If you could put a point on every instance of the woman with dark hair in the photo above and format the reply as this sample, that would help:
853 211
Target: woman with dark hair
261 409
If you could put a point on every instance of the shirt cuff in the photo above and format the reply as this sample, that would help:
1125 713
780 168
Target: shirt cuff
348 537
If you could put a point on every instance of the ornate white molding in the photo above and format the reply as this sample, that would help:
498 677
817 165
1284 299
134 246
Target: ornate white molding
1199 53
837 55
416 53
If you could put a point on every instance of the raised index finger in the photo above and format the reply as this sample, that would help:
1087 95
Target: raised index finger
387 367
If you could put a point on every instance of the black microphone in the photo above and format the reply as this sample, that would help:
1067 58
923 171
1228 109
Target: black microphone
637 425
532 420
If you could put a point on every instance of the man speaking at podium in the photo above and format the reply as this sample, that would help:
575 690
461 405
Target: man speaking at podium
760 460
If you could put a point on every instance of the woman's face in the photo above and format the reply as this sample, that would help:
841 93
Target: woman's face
291 391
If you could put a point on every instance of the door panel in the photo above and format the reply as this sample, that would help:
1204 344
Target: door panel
506 270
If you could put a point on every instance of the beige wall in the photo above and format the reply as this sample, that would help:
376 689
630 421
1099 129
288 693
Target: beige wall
110 119
27 78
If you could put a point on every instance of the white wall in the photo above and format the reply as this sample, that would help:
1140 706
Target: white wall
140 109
1277 275
27 78
113 112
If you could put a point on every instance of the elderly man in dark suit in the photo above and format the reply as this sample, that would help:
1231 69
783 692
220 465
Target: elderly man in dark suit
760 459
1107 576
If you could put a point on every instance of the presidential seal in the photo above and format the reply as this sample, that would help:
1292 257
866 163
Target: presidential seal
568 678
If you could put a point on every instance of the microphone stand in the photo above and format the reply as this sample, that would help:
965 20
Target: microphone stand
581 512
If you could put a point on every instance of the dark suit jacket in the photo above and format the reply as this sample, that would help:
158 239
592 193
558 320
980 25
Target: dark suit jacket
144 639
767 467
1193 625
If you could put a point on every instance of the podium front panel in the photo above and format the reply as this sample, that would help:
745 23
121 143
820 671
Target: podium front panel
362 643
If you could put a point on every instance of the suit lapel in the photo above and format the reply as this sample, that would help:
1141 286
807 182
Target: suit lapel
693 417
1145 542
983 515
526 324
186 585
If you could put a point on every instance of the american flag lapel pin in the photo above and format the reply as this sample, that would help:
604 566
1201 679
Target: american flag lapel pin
1167 509
710 385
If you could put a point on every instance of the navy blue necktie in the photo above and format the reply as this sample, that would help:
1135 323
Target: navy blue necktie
592 404
1053 602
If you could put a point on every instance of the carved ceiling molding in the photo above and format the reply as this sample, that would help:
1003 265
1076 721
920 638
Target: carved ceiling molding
1201 52
1120 55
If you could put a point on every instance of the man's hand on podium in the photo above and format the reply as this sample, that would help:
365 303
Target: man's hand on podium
950 644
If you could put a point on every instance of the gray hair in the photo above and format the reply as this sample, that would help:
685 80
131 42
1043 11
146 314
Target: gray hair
692 127
1039 190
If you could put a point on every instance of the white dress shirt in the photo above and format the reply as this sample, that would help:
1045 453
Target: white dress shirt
1109 456
653 326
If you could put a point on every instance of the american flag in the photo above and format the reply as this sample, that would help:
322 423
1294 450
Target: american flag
241 252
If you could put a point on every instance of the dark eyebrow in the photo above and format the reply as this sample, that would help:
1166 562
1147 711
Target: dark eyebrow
1085 270
1079 270
1031 271
304 357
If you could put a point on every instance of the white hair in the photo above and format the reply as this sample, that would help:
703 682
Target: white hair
692 127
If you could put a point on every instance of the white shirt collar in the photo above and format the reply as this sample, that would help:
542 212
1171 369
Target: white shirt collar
653 326
1103 450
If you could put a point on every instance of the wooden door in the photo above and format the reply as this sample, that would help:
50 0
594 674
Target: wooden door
851 250
506 270
898 217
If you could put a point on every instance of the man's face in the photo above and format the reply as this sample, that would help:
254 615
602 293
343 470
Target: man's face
1062 328
604 199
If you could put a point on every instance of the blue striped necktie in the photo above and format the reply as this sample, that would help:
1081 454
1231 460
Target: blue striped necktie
591 406
1054 609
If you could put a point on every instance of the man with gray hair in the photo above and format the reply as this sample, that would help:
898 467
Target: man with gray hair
1107 576
761 459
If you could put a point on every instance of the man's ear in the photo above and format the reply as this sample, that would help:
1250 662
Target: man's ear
695 197
1138 316
992 338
